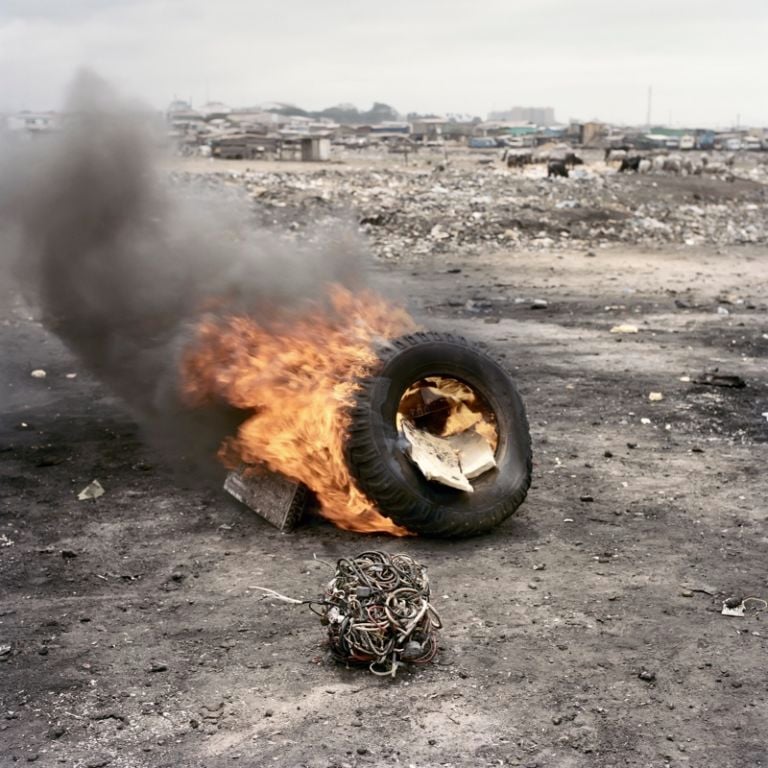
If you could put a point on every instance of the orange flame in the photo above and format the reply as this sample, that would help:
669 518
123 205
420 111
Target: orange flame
297 378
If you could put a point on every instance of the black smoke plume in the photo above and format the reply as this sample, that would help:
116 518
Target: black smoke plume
120 264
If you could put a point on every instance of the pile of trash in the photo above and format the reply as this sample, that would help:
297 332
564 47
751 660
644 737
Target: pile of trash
407 213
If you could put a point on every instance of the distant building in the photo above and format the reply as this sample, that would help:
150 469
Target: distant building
254 117
428 129
537 115
214 109
522 133
315 149
392 127
586 133
33 122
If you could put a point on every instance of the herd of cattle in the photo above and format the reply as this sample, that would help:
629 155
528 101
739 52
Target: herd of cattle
628 161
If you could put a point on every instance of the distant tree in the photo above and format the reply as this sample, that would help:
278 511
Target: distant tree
412 116
289 110
380 113
343 113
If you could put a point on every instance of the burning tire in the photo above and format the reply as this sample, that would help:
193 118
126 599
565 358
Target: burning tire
425 383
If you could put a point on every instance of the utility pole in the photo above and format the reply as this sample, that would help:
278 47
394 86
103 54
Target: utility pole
648 110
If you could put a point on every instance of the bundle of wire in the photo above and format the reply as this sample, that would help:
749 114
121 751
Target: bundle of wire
378 613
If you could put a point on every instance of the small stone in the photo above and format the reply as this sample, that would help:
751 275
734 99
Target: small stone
631 446
56 732
647 675
608 454
586 498
686 593
38 373
158 666
531 585
539 566
98 762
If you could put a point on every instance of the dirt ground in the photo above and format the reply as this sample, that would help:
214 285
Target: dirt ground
585 631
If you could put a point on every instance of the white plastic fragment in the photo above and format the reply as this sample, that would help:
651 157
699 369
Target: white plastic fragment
93 490
435 457
738 610
625 328
655 397
475 454
38 373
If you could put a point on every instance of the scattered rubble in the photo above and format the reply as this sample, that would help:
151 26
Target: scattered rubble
409 212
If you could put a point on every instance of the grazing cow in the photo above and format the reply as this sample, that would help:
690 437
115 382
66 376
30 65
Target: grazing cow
518 159
630 164
572 160
557 168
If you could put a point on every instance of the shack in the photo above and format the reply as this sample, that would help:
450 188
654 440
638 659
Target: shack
315 148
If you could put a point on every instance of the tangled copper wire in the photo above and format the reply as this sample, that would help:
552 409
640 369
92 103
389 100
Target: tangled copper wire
378 613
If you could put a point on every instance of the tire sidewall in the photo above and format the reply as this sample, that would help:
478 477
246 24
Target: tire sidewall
429 507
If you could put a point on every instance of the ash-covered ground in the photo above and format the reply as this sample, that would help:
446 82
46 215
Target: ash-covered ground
585 631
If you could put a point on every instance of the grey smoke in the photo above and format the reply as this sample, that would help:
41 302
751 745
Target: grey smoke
120 263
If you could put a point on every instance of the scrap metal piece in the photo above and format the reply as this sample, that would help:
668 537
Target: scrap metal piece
721 380
277 499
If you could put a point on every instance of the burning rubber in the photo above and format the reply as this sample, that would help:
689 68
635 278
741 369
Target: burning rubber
437 439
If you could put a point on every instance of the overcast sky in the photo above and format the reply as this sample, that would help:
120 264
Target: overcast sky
705 60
